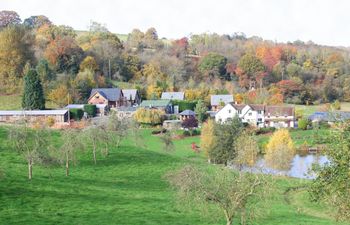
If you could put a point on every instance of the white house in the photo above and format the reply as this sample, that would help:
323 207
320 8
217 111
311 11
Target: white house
254 115
229 111
279 116
258 115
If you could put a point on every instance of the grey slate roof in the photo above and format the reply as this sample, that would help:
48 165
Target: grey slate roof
129 92
330 116
173 95
155 103
81 106
187 112
216 99
32 112
111 94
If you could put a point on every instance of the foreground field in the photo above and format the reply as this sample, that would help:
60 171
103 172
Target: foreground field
127 187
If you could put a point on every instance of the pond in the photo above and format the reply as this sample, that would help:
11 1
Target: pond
300 166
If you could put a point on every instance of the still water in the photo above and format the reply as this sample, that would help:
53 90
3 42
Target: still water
300 166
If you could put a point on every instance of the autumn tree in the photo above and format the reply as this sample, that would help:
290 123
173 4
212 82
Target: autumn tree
15 52
33 94
60 96
8 18
225 134
236 195
280 150
37 21
89 63
64 54
249 68
207 137
149 116
213 65
247 150
332 179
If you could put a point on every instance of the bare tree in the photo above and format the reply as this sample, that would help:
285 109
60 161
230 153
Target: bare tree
95 137
31 143
167 141
235 194
68 150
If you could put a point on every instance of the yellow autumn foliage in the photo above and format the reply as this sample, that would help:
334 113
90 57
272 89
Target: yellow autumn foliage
149 116
207 137
280 150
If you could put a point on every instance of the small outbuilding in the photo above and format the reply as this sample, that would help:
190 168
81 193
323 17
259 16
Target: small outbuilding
11 116
187 114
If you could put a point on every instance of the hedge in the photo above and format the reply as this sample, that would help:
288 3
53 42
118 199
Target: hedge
184 104
90 110
76 114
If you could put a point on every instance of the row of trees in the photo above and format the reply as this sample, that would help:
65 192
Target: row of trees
36 144
71 63
231 143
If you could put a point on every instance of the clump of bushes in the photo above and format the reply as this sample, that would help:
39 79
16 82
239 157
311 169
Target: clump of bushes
91 110
76 114
265 130
194 132
149 116
160 131
303 123
185 104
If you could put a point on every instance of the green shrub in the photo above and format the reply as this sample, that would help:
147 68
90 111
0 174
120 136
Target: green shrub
160 131
184 104
90 109
186 133
265 130
303 123
76 114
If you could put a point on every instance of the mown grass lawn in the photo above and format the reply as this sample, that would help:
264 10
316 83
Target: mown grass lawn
127 187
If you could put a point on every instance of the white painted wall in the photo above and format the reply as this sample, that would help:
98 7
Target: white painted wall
227 112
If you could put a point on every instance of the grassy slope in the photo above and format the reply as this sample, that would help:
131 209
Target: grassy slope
310 109
13 102
126 188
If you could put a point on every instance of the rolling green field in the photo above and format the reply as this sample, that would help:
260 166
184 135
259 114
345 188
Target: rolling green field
127 187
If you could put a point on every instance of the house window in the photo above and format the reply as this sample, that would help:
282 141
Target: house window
250 114
239 111
229 111
259 120
260 112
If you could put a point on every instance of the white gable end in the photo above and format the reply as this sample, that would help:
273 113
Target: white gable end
227 112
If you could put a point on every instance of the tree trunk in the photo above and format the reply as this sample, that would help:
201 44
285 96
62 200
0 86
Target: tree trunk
94 151
30 169
67 166
228 218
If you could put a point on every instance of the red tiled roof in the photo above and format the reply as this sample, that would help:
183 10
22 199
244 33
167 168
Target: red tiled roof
279 111
237 106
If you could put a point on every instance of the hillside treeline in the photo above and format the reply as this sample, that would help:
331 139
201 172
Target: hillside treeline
70 63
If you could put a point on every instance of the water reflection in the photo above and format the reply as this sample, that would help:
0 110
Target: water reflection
300 166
